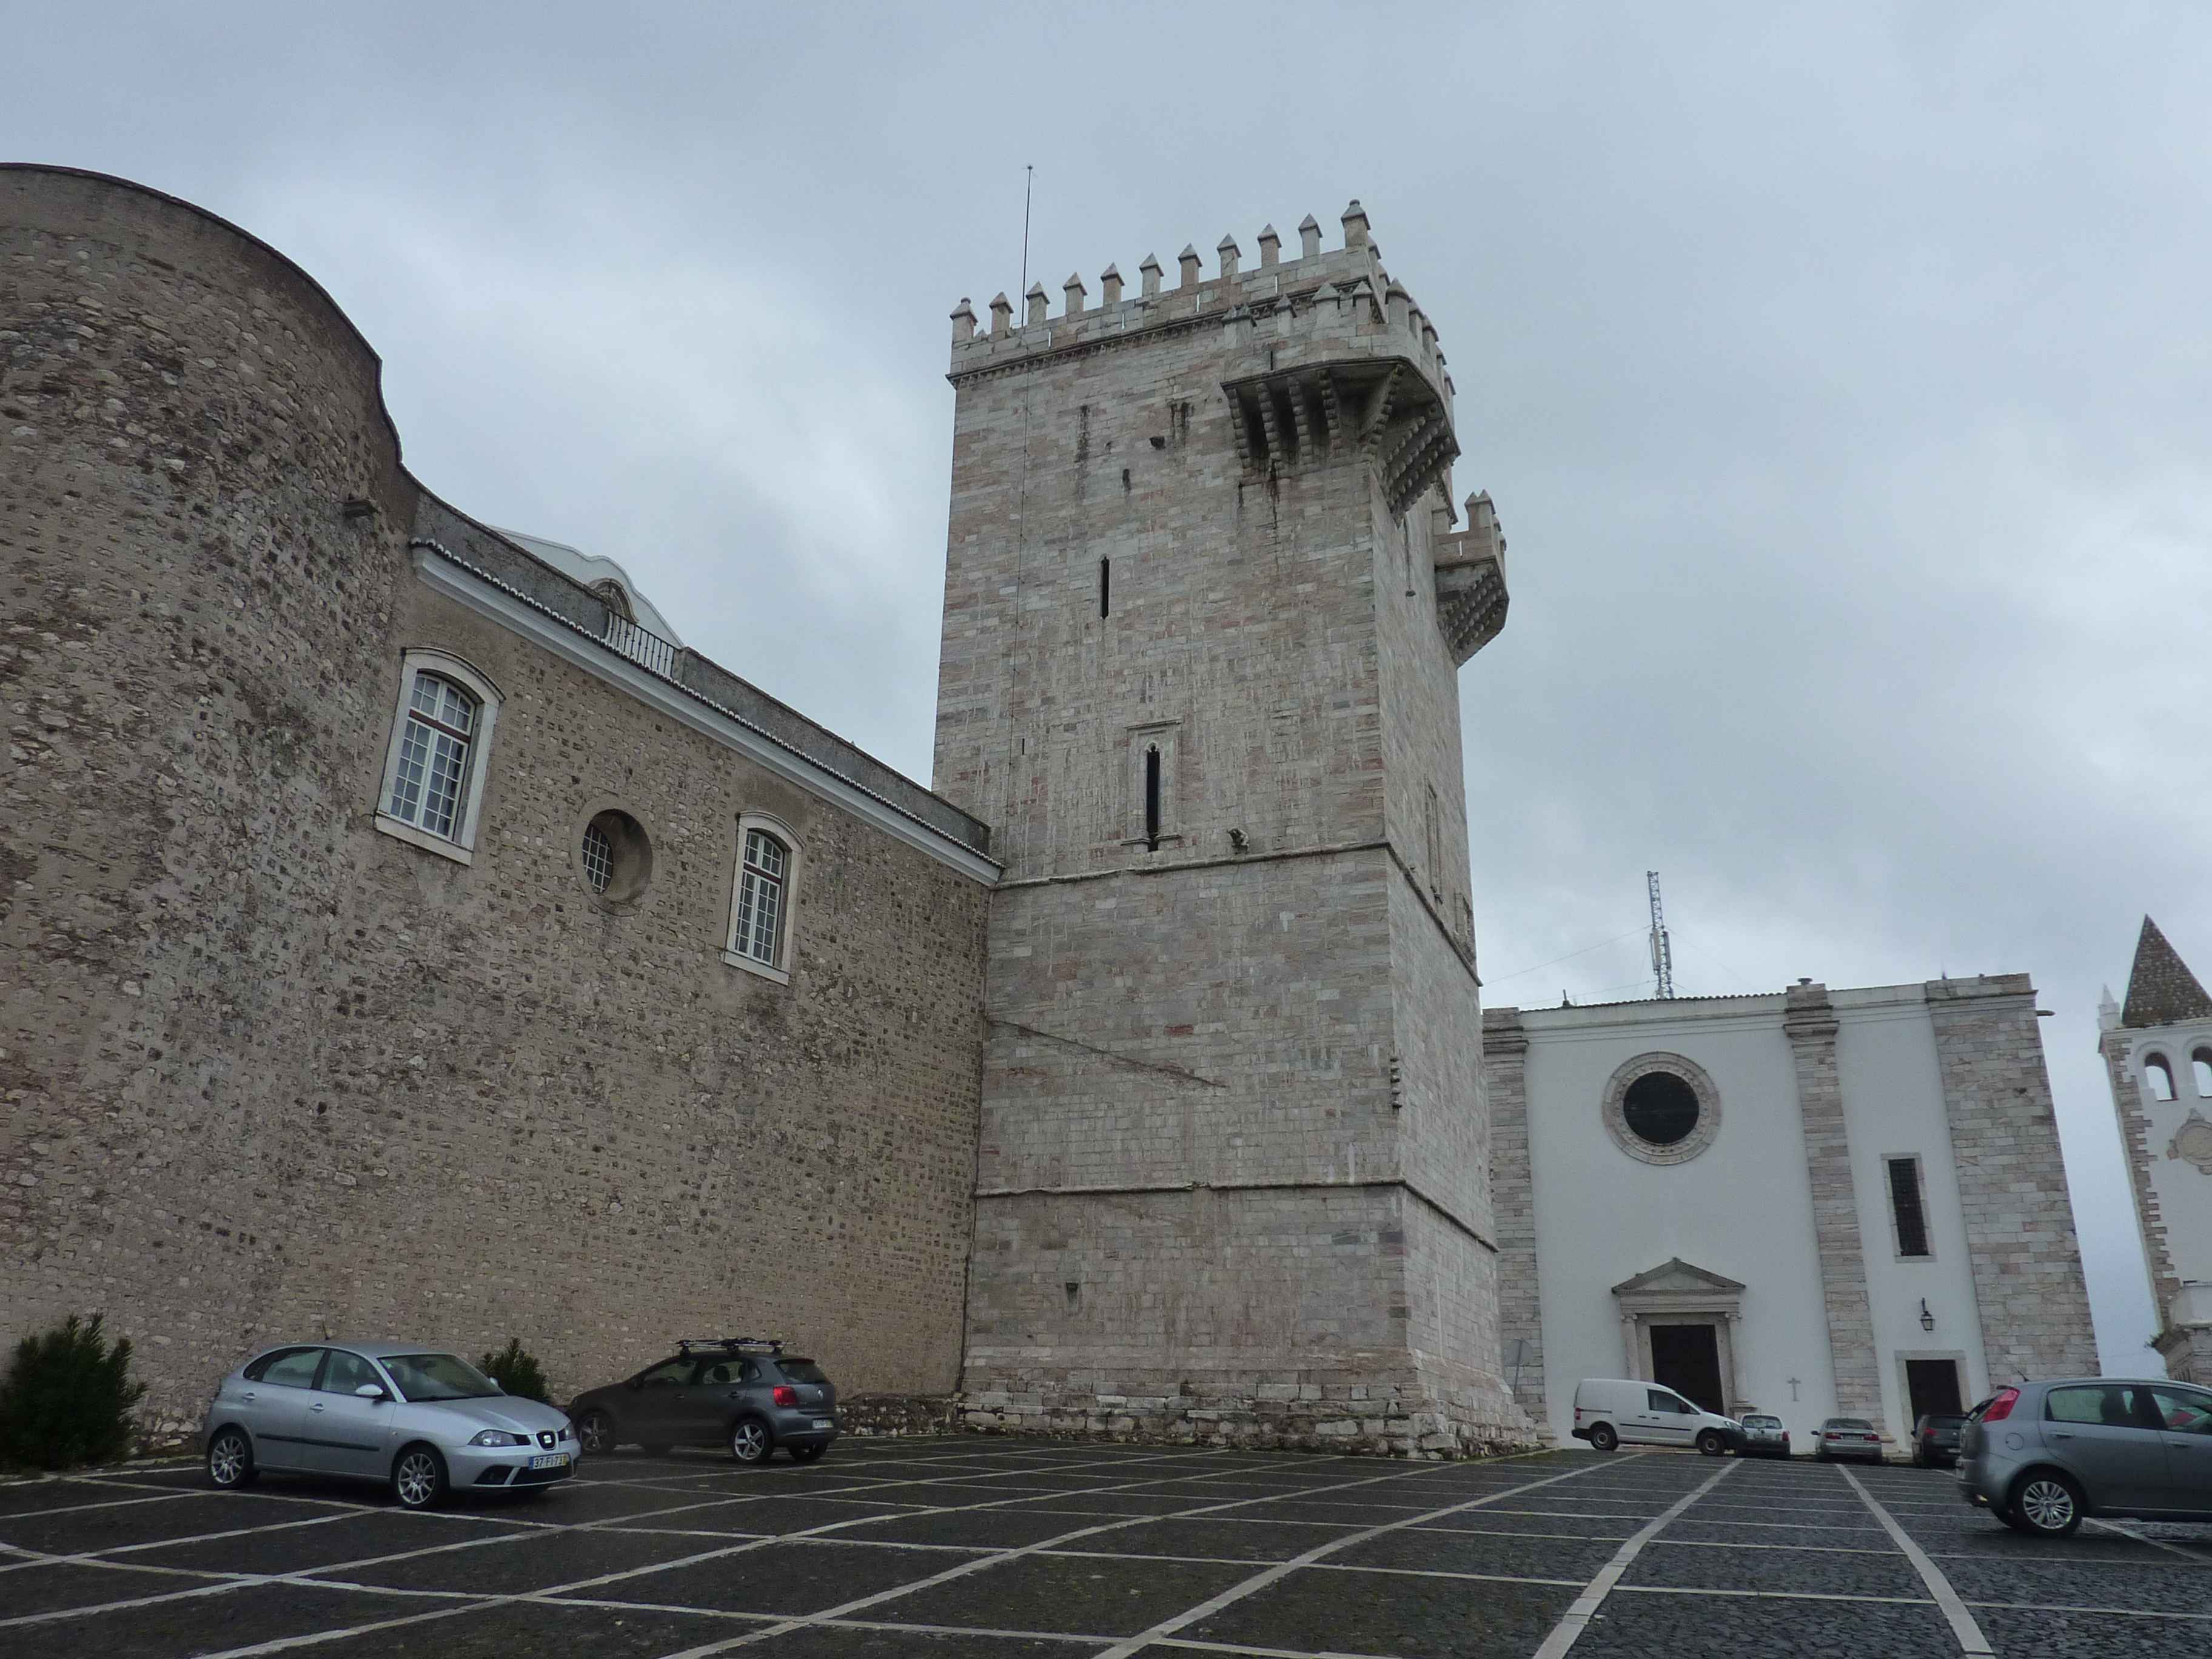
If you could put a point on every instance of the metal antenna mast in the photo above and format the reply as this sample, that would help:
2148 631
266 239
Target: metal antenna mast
1029 180
1662 955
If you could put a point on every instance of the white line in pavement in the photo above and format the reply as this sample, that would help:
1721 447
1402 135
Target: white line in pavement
309 1576
2186 1554
1971 1639
1577 1616
1281 1570
1121 1650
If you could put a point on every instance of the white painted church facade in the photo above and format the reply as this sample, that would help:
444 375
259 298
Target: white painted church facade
1811 1203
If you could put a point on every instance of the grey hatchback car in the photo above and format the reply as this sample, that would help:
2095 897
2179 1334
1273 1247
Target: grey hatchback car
2043 1456
420 1420
744 1393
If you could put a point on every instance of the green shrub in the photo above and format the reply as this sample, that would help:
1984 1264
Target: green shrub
67 1398
515 1369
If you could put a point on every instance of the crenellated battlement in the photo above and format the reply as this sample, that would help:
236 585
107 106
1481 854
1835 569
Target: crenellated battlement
1322 306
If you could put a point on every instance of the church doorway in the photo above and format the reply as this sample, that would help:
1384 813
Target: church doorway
1932 1385
1687 1359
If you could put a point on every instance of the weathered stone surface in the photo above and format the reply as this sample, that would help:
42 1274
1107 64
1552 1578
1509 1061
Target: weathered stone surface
1232 1139
271 1074
2012 1178
1810 1025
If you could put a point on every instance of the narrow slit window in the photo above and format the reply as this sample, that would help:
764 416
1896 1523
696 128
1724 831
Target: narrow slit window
2200 1064
1152 798
1906 1208
1105 586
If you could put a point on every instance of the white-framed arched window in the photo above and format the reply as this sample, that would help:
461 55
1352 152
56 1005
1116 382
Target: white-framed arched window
2200 1067
763 898
432 790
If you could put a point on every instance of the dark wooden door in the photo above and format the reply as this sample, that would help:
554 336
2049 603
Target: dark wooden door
1934 1385
1687 1359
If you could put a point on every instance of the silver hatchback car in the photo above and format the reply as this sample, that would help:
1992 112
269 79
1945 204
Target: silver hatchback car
2043 1456
420 1420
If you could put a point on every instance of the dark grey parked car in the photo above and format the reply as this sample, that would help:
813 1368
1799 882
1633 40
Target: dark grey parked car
1935 1439
744 1393
2043 1456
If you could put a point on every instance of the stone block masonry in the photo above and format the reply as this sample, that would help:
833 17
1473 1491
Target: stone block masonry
2011 1179
270 1074
1234 1160
1810 1023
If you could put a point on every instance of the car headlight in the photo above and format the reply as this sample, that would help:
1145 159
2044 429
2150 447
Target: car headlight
500 1438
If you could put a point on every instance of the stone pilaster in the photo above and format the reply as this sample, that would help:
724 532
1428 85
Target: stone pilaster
1513 1199
2011 1179
2135 1142
1809 1022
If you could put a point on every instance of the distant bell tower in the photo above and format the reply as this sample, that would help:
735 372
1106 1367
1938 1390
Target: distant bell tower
1206 599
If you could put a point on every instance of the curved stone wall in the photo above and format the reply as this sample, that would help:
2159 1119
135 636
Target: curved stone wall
188 655
268 1074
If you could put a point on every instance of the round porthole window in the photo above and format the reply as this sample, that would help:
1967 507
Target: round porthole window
615 858
1661 1109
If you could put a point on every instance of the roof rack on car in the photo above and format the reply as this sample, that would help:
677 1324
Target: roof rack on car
771 1343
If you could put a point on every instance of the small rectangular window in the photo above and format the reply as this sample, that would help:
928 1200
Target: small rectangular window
1906 1207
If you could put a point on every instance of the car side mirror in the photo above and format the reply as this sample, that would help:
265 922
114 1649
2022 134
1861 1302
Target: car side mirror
495 1388
369 1391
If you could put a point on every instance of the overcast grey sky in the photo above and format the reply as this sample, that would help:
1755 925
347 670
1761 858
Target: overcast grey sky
1839 372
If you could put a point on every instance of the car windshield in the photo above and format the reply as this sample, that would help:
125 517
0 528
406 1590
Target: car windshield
423 1377
802 1370
1849 1423
1757 1422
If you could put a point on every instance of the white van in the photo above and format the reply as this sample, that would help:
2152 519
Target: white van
1612 1411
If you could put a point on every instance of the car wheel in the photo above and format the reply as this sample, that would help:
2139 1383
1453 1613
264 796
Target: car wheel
230 1460
595 1433
750 1441
1603 1437
1711 1443
2048 1503
806 1454
418 1477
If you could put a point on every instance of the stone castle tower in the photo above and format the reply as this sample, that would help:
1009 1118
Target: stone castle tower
1206 598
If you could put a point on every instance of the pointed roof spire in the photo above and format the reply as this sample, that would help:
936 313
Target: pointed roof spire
2162 991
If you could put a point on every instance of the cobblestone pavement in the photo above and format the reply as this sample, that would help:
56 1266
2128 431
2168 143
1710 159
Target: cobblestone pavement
974 1549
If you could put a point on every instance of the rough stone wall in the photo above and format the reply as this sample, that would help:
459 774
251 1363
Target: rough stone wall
1809 1022
2188 1353
2135 1141
1513 1198
269 1073
1223 1009
2012 1178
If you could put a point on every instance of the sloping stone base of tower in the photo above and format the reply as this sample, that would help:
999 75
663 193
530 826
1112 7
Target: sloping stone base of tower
1262 1317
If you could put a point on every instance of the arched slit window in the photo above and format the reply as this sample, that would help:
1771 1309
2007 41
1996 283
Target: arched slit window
1152 798
428 788
2200 1064
761 878
2160 1075
1105 586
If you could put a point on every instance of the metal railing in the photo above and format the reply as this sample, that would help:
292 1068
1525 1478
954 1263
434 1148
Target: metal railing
641 646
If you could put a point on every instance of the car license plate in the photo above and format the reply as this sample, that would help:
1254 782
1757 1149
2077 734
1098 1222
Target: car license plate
551 1461
825 1423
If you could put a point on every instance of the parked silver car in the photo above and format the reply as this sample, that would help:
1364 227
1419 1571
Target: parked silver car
420 1420
2042 1455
